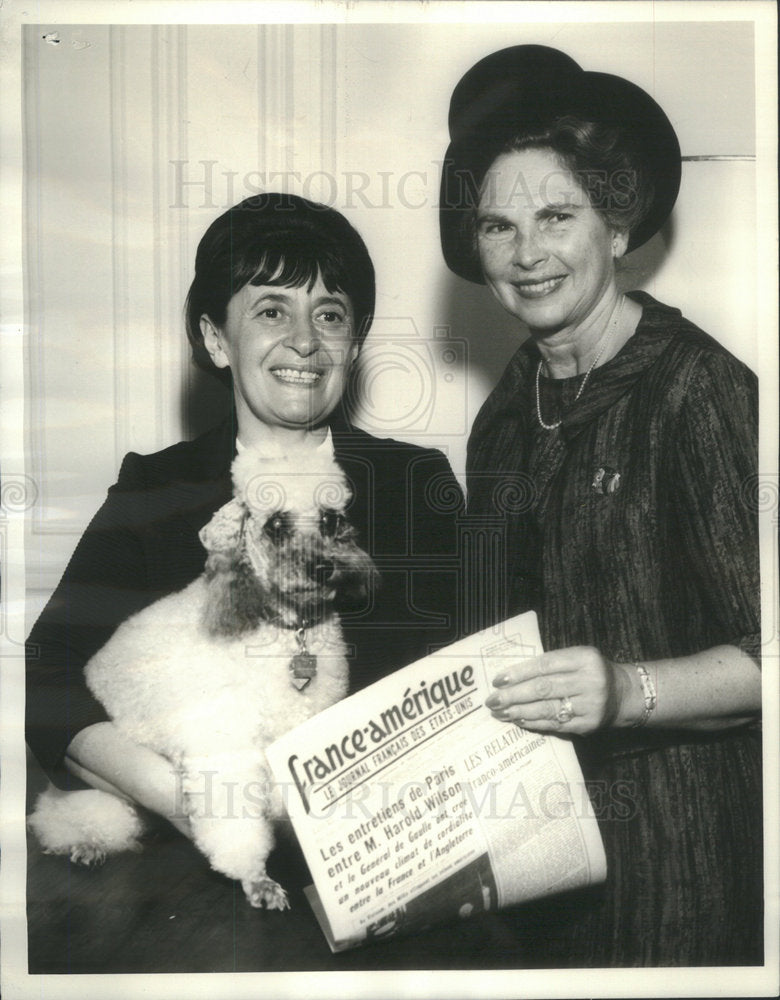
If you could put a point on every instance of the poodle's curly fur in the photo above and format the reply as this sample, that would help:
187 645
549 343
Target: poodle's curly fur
203 676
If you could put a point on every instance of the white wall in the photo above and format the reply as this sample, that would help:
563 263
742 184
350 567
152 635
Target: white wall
137 137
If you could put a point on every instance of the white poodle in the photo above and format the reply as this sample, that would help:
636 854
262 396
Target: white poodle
210 676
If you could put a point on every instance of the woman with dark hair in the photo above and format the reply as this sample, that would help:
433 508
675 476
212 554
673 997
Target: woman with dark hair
631 436
276 239
281 301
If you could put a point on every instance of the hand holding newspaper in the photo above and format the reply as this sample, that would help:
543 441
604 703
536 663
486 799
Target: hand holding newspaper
414 805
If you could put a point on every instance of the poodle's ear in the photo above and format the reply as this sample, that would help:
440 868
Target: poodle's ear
222 535
234 599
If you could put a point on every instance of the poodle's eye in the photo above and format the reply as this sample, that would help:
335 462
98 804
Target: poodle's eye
277 527
331 523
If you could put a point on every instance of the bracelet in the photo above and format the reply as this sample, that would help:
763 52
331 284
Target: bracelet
648 690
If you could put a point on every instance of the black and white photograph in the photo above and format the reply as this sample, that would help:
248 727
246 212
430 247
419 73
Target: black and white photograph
334 334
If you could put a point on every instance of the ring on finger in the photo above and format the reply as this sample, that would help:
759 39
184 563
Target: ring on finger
565 711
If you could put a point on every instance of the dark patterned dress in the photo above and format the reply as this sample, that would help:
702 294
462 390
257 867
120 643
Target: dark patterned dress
633 528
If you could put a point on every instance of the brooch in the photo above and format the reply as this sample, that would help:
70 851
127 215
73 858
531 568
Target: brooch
606 480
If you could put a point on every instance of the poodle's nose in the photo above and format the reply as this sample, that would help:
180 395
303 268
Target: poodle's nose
323 570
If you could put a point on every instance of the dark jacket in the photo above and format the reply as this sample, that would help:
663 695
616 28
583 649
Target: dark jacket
143 544
633 528
636 530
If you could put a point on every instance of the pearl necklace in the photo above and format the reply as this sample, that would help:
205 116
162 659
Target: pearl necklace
607 340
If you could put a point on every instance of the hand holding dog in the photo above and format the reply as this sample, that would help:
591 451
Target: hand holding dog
103 757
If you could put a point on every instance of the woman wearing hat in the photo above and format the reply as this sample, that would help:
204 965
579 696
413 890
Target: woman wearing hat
631 436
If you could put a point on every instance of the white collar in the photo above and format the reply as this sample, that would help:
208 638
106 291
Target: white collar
325 446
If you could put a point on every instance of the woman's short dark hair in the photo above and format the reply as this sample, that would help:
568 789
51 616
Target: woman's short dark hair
277 239
602 161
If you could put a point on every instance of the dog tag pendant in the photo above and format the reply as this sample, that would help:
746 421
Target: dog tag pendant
303 666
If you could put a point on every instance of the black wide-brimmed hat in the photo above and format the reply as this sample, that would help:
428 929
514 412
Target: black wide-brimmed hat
528 87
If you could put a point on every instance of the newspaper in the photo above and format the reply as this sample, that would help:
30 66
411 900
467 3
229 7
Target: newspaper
414 805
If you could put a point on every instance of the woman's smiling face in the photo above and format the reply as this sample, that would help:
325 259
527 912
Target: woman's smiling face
289 351
546 253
